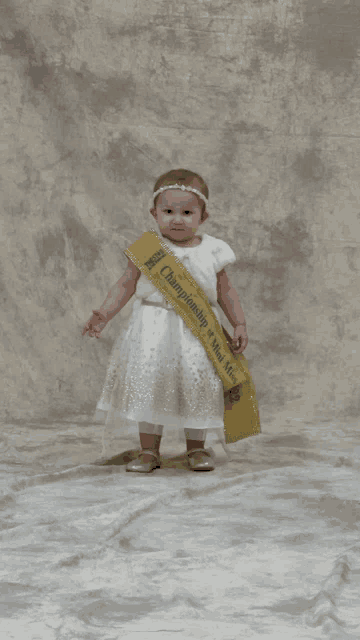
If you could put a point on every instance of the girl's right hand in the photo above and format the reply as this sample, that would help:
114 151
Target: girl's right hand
95 325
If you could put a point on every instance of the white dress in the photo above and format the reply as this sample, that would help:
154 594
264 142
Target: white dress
159 372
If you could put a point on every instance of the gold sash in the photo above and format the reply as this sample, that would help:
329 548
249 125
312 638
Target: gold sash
155 260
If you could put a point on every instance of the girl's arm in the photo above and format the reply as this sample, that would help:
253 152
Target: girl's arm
116 299
230 304
121 292
229 301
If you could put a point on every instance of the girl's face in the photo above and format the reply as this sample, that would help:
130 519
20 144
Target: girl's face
178 214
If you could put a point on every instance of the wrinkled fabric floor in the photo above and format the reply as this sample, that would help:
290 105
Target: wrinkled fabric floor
267 545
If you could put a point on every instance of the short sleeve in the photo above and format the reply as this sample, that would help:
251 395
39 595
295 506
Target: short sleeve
222 255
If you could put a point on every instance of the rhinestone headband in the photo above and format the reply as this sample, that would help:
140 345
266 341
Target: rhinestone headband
183 188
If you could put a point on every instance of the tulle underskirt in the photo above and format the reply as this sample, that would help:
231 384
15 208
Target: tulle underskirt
160 373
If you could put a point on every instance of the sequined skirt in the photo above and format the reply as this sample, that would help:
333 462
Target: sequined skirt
159 372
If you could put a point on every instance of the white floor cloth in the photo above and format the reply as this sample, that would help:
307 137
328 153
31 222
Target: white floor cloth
265 546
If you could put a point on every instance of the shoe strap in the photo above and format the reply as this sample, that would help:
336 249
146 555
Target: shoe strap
149 451
188 453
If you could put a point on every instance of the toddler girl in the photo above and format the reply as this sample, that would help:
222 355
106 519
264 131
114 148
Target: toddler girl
160 375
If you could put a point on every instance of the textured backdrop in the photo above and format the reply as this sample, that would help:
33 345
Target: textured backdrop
99 98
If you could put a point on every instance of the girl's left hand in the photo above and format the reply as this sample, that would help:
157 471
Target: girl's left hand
240 339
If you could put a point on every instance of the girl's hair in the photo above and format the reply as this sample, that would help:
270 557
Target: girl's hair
185 177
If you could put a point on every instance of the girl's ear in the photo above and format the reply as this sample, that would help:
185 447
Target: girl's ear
204 216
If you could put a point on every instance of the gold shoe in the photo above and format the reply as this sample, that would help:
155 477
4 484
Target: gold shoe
144 467
200 463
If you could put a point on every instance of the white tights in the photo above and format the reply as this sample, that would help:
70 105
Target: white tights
157 429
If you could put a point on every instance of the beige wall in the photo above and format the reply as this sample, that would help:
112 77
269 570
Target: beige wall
99 98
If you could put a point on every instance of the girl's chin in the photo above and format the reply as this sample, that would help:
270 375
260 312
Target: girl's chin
176 232
179 236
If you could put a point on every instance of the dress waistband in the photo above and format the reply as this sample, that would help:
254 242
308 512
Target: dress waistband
158 304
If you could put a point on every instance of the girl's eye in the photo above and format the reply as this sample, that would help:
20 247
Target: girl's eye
169 210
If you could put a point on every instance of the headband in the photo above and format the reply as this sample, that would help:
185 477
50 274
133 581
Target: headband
183 188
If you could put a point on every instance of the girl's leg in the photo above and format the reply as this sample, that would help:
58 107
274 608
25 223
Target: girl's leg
195 438
150 438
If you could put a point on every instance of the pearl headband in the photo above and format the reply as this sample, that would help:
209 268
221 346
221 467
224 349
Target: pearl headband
183 188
